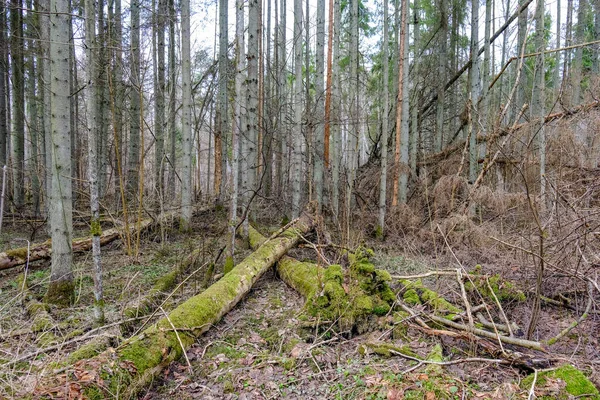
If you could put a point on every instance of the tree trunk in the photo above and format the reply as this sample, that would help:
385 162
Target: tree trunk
577 74
3 72
91 50
335 92
400 160
556 75
320 105
133 159
414 135
141 358
18 105
474 92
297 133
442 62
61 288
186 123
172 129
384 121
222 106
238 120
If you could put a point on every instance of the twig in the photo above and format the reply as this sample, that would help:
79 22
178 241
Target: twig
463 293
178 339
501 310
492 324
532 395
480 332
583 316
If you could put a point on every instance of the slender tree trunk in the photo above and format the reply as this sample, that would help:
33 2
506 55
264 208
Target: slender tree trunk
577 75
93 70
3 73
252 101
335 126
404 146
267 122
568 42
133 158
596 49
414 136
401 178
354 133
320 105
487 68
61 288
297 132
18 105
186 123
384 121
238 119
33 92
117 95
538 114
556 75
442 65
522 38
172 129
159 103
47 100
474 92
221 114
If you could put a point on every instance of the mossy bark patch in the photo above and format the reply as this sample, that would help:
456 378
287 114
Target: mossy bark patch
61 293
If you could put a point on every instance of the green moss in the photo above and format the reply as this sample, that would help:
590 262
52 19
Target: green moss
18 253
417 293
505 291
95 227
88 350
61 293
288 363
228 266
576 383
411 297
334 273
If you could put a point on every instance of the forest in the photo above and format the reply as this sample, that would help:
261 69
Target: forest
265 199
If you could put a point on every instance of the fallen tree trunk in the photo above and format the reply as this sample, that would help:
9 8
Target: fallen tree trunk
15 257
124 371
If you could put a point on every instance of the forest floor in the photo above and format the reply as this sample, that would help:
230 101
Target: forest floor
261 349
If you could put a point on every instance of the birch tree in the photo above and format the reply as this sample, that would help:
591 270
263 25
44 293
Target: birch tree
61 287
238 120
93 69
186 123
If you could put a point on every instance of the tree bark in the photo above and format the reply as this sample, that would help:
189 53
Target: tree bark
3 72
142 357
186 123
133 159
297 133
60 290
18 102
384 121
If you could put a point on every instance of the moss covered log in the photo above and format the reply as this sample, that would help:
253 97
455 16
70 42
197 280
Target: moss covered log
15 257
123 372
351 299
